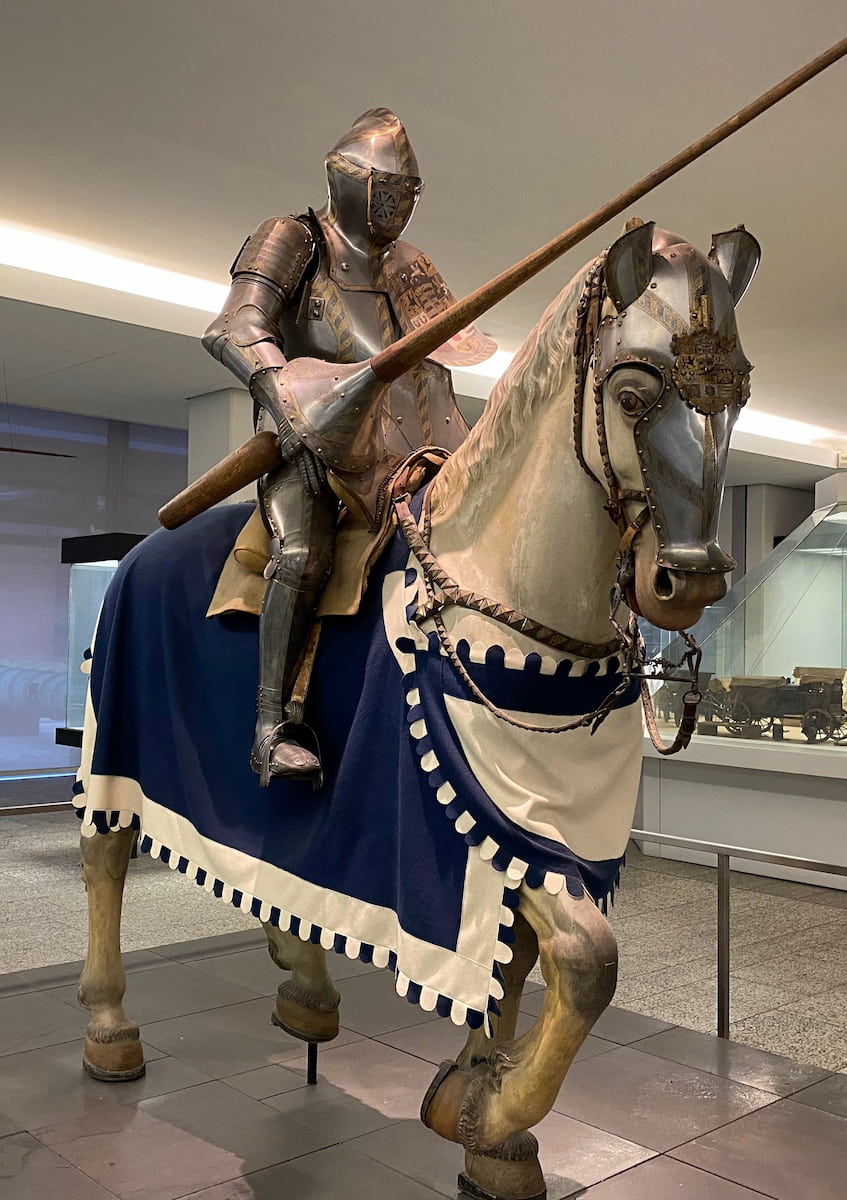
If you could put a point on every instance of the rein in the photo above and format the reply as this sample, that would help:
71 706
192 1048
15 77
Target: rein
442 590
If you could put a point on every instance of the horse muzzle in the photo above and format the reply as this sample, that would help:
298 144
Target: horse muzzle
672 593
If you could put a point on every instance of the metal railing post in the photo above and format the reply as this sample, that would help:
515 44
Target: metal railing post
723 945
723 854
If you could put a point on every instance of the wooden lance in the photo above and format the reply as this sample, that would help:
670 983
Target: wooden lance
261 453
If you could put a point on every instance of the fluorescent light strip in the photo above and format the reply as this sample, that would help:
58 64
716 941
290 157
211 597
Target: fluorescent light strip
749 420
785 429
55 256
62 259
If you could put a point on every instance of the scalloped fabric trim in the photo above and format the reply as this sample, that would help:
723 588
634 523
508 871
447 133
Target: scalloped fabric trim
473 826
99 822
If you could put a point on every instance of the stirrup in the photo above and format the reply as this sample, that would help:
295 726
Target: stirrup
293 732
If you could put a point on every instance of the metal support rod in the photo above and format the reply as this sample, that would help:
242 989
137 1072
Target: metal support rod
23 810
312 1063
723 945
743 852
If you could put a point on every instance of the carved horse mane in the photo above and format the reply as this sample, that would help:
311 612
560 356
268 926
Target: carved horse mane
541 371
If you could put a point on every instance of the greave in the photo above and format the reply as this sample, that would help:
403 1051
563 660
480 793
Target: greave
286 617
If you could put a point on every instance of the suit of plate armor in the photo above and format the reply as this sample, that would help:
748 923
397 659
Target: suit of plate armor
334 285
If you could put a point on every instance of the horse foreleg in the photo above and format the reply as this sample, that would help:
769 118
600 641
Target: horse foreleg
112 1044
307 1003
488 1107
480 1045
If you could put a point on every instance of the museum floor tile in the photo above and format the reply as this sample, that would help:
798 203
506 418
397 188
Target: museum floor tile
649 1109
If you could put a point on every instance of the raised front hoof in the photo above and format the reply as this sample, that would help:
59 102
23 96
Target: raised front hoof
116 1059
446 1108
510 1171
304 1020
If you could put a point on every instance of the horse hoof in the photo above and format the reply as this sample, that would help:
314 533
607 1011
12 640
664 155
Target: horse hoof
445 1104
510 1171
304 1020
116 1060
468 1187
446 1068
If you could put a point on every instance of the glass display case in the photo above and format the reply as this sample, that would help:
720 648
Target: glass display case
775 648
87 587
94 561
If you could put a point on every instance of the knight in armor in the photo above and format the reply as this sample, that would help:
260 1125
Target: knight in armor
334 285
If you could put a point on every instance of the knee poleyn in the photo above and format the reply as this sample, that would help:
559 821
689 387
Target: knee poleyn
301 567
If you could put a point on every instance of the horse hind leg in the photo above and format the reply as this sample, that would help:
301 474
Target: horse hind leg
307 1003
112 1043
488 1105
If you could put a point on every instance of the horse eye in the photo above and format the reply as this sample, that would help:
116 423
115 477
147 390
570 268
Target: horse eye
631 402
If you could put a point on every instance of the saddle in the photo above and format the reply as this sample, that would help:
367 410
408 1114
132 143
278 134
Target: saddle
241 584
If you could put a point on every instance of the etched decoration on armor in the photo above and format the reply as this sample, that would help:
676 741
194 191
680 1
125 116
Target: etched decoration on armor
703 371
373 168
418 293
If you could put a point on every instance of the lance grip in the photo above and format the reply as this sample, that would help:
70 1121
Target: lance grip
245 465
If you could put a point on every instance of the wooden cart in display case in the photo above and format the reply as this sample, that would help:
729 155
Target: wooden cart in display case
813 699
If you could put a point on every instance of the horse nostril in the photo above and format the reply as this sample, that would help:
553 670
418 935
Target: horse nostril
664 583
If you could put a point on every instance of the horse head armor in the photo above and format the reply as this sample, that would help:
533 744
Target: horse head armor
667 361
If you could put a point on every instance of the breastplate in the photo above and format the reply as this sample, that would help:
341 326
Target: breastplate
340 326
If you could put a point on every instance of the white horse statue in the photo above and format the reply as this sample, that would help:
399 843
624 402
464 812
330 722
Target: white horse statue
479 720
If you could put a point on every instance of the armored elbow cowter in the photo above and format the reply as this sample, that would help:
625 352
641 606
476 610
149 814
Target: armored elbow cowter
265 275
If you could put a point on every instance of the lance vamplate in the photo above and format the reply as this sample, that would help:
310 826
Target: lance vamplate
261 453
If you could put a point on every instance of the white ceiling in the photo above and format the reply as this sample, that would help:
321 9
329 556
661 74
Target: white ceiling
166 131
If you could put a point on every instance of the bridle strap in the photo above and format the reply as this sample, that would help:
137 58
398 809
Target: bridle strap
443 590
588 321
630 532
634 651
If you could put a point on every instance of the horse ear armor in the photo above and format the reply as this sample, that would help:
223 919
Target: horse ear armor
736 254
629 265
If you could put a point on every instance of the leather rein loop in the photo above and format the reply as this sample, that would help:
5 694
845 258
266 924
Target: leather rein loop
442 590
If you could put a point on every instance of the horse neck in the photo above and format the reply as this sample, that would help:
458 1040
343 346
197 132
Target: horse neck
530 532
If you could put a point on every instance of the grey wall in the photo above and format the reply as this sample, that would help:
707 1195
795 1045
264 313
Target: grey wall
772 512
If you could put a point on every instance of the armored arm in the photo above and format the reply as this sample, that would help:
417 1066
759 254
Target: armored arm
245 336
265 275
